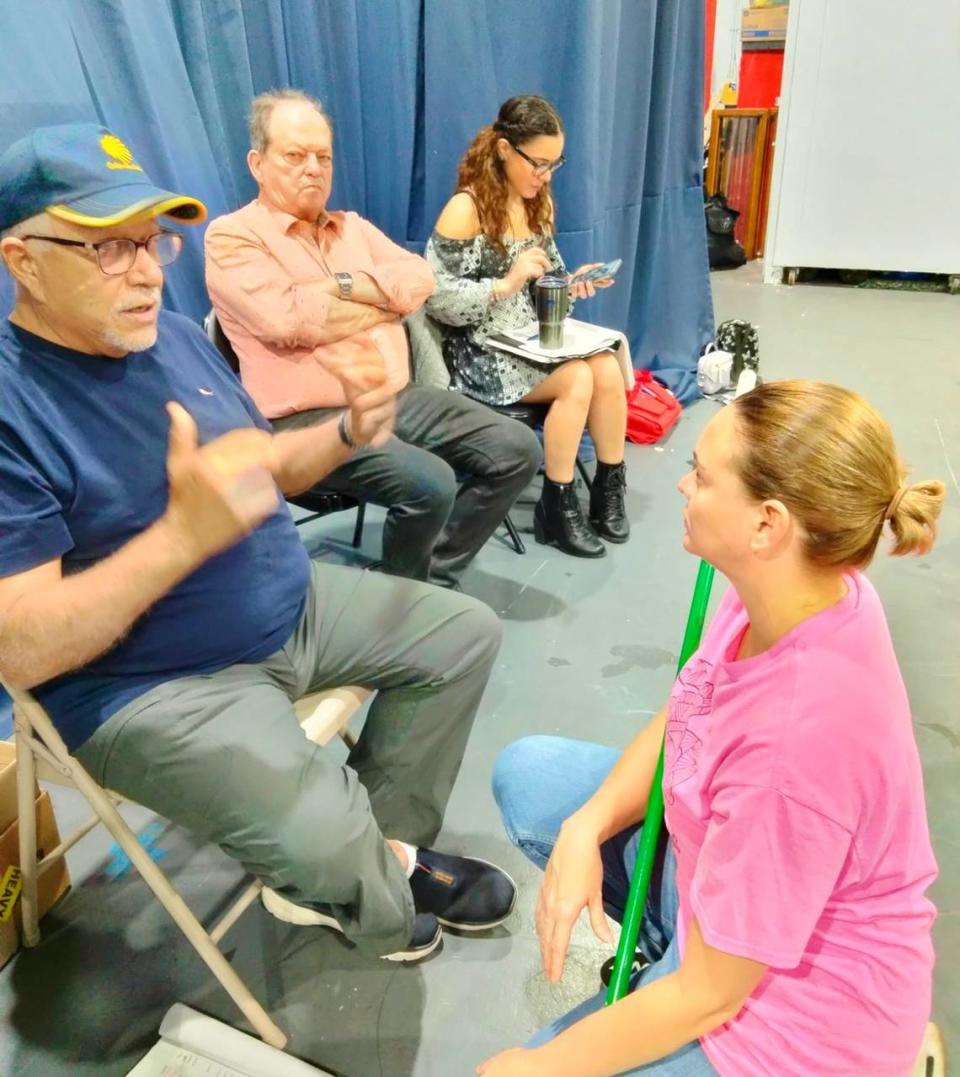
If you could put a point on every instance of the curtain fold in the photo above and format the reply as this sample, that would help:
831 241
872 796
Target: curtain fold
407 84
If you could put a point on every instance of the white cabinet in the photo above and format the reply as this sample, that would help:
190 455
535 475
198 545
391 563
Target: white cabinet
866 170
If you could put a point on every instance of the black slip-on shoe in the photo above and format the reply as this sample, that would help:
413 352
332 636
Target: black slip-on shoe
640 962
462 892
426 936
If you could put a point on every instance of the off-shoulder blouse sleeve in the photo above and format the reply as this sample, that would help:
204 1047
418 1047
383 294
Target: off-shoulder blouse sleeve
461 295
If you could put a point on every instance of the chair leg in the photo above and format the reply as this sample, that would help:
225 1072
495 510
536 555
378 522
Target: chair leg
26 809
178 909
584 474
932 1060
236 910
514 534
358 526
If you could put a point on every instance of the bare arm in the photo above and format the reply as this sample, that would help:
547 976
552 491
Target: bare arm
51 623
459 299
573 879
622 798
708 989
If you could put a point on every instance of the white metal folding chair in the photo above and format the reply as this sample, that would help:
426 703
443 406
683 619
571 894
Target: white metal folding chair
42 755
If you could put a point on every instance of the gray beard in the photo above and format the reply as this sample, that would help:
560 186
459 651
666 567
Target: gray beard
123 343
131 343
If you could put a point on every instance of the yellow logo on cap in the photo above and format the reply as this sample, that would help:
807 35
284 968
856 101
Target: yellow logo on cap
122 158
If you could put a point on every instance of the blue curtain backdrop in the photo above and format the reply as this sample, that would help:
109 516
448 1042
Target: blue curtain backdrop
407 83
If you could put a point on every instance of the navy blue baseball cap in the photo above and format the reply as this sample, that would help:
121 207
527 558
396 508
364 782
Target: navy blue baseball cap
82 173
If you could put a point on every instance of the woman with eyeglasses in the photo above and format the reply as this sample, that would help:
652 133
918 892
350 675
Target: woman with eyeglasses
493 238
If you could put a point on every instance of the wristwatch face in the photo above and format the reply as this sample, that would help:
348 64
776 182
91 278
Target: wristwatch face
345 284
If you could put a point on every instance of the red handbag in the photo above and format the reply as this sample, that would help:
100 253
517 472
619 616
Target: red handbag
652 410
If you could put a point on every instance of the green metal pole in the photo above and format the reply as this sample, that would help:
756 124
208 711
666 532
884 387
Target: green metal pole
653 820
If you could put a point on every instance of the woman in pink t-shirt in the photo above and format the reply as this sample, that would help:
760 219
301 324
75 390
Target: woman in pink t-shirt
787 927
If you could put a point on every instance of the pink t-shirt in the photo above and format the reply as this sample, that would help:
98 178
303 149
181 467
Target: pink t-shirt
794 801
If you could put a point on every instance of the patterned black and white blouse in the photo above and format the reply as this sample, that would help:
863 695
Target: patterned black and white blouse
465 270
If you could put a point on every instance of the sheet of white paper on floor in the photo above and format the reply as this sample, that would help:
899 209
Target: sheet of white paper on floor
193 1045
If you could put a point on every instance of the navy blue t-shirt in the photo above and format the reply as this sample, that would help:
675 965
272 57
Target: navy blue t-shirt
83 444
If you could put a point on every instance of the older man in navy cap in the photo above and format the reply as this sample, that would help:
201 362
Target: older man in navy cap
154 593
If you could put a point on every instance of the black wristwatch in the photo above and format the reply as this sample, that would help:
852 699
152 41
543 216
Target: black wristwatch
344 284
344 431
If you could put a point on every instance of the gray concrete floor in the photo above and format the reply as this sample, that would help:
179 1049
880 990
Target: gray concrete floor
589 651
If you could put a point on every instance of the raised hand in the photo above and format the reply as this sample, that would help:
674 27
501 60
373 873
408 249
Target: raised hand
218 492
371 400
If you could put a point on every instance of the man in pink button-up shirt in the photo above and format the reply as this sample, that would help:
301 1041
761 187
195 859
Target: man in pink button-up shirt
302 293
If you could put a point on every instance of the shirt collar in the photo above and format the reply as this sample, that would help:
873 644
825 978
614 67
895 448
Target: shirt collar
286 221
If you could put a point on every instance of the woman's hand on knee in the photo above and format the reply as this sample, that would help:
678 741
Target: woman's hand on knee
573 881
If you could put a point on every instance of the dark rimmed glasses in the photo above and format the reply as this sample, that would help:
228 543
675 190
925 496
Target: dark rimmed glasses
116 256
541 168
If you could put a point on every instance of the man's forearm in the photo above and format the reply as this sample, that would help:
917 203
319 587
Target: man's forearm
345 318
66 623
366 290
304 457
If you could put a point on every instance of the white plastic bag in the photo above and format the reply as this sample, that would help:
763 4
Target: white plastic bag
713 371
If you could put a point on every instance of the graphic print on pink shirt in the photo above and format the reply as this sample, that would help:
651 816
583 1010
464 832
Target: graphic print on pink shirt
690 706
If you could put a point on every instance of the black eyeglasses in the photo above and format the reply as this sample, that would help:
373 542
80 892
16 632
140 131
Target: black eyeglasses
116 256
541 168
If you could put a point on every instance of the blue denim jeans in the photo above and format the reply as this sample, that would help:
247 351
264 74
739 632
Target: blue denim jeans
538 782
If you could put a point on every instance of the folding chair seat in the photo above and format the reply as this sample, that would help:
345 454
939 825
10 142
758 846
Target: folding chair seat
42 755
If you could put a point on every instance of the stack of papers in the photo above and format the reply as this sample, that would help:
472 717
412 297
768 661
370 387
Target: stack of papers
192 1045
580 341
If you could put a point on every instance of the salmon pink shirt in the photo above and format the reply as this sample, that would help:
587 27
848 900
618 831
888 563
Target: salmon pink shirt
794 801
266 272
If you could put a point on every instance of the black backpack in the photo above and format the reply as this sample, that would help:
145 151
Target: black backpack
723 250
742 341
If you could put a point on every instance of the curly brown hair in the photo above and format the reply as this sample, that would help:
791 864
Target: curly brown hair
481 170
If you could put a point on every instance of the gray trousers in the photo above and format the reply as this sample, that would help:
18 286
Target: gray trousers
223 755
435 525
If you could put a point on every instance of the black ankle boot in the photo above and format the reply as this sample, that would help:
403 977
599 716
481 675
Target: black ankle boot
558 521
607 513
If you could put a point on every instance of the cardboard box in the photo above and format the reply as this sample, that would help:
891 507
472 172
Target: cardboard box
51 886
764 23
8 783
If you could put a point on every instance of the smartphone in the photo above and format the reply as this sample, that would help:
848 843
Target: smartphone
608 269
